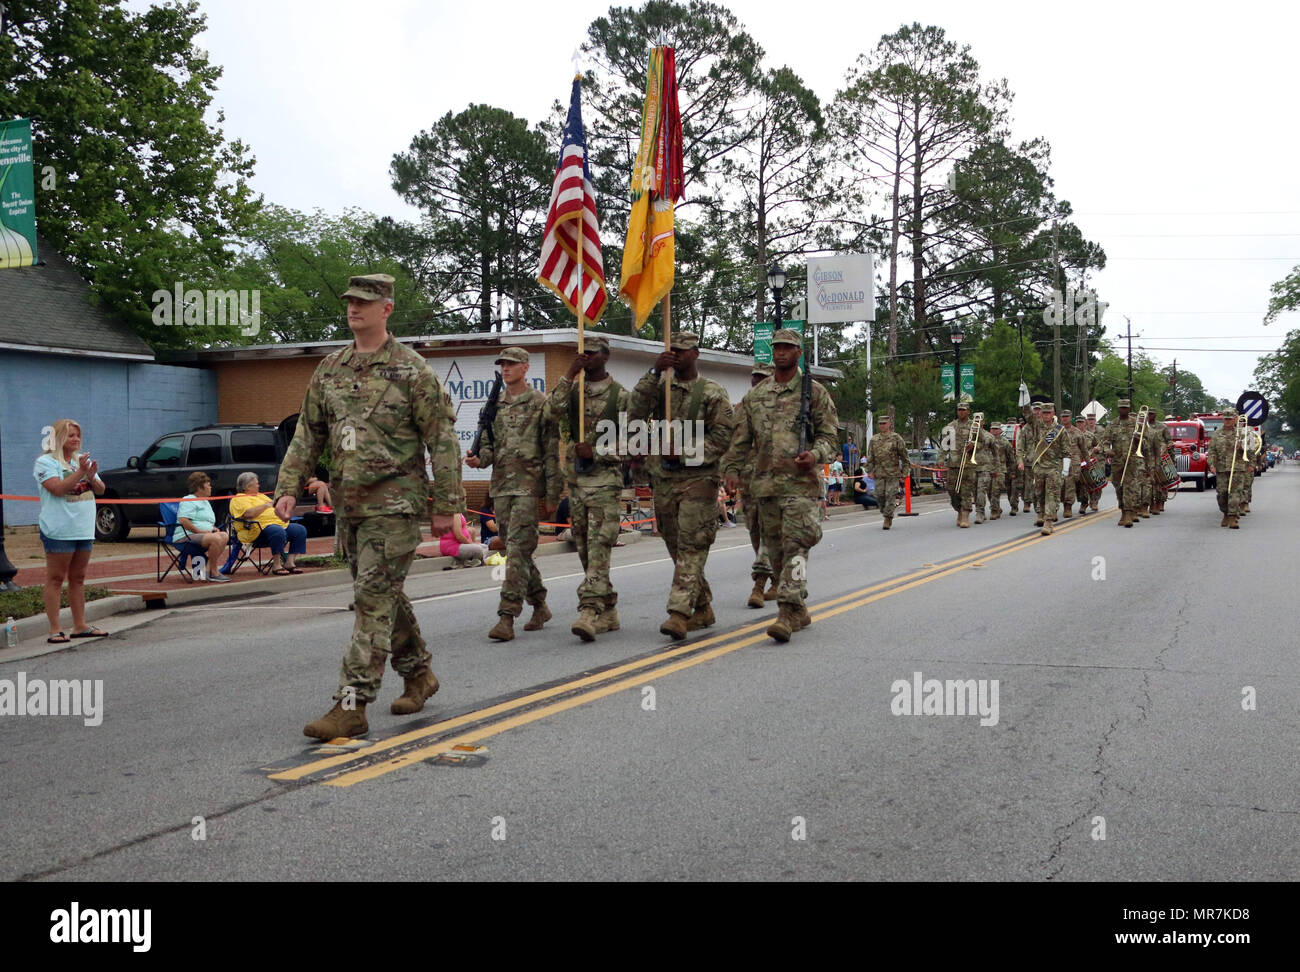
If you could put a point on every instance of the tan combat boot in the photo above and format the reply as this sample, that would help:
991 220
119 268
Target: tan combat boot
541 614
784 625
339 722
756 595
1038 522
1069 510
1224 521
802 618
675 626
773 584
607 620
1127 519
419 687
963 518
585 626
996 514
504 630
702 618
1233 523
979 516
887 523
1047 529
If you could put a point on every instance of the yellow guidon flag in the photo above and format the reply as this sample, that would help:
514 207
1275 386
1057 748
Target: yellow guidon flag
648 254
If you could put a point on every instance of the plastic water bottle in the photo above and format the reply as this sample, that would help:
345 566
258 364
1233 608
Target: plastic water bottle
11 632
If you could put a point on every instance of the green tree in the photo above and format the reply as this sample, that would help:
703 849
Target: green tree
999 366
1110 381
482 178
1278 378
147 192
1286 296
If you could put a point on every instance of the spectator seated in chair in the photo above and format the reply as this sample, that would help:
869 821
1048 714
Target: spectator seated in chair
196 523
257 524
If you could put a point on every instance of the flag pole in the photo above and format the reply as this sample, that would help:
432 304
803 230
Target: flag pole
582 375
668 346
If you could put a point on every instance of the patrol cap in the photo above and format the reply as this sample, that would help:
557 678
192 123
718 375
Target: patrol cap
1229 413
371 286
762 369
995 425
1124 403
684 340
517 355
595 342
1037 405
1049 406
965 405
1065 412
788 335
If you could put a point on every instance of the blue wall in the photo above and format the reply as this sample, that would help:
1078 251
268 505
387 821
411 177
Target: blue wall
122 406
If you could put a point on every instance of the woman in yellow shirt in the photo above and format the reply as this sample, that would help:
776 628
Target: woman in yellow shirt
263 528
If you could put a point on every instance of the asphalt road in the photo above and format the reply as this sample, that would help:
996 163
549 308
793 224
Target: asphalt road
1146 688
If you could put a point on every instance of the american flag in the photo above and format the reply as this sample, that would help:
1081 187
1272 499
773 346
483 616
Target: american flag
573 211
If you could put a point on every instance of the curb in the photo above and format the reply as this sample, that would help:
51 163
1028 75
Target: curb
105 607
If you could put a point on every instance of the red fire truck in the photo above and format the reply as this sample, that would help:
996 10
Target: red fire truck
1191 444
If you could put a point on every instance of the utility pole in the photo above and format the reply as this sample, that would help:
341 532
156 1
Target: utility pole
1056 328
1173 382
1130 358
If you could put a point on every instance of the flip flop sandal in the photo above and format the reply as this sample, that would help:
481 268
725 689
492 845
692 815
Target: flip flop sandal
91 632
58 639
282 572
294 570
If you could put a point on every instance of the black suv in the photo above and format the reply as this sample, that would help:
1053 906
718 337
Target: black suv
221 451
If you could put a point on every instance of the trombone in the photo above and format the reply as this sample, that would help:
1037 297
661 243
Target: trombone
972 439
1139 430
1245 438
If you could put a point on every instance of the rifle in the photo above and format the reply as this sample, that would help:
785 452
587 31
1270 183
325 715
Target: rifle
486 416
805 420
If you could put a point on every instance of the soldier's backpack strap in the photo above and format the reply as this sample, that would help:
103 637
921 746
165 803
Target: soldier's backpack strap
609 414
696 399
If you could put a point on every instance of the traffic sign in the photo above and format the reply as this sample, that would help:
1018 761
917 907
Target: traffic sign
1253 407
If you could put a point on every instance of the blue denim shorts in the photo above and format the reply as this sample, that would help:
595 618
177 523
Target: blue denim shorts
53 546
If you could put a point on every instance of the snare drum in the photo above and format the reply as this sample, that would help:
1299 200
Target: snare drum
1167 473
1093 472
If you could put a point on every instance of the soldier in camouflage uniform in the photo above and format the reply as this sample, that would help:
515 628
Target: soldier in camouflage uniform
1073 449
523 452
888 464
760 572
785 479
954 442
1127 469
380 407
595 478
1046 460
1160 441
1087 449
986 462
1015 477
686 484
1026 441
1233 472
1000 473
1094 437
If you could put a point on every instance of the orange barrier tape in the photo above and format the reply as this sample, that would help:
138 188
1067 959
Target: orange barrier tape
123 502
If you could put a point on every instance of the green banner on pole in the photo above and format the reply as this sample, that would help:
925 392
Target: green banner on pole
945 381
763 340
968 383
17 195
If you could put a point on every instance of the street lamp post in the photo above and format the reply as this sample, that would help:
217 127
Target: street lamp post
776 280
957 337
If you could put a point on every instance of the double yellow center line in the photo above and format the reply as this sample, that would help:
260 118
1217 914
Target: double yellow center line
443 737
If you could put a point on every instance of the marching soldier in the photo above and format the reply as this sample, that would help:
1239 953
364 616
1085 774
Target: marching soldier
1046 459
1002 469
523 453
381 491
955 442
1233 471
985 460
760 572
595 480
888 464
1026 441
785 479
1073 449
1127 468
1161 441
1087 447
1015 477
1095 438
686 487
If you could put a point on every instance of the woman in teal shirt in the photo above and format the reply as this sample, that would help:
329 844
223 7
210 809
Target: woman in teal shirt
69 482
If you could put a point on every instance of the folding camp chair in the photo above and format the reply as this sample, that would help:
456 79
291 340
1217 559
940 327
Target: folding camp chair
247 552
179 554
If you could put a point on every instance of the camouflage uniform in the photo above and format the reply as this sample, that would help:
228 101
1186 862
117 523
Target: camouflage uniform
952 441
986 462
1026 447
1069 481
379 412
686 497
1000 475
1159 441
593 495
1233 473
767 427
524 455
888 464
1016 491
1048 457
1130 482
1087 443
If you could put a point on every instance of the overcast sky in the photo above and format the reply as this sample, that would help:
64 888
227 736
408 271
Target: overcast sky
1172 126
